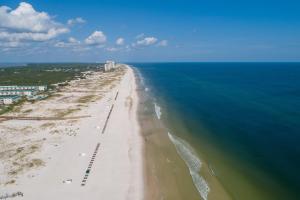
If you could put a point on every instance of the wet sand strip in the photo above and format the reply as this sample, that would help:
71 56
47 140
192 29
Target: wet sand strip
88 170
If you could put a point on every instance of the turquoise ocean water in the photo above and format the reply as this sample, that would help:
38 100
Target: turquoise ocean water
243 119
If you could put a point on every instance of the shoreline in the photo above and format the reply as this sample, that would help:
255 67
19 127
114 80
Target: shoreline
122 146
173 170
165 174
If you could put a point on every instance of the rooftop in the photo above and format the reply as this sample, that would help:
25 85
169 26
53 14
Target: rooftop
10 97
6 86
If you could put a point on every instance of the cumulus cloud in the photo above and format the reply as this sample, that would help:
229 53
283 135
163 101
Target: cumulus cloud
30 36
25 24
120 41
163 43
113 49
96 38
81 49
139 36
143 41
77 20
146 41
26 18
7 46
62 44
71 42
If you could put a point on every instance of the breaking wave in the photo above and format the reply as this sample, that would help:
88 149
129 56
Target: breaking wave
141 78
157 110
186 152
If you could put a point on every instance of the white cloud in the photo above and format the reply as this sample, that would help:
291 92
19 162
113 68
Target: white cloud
163 43
9 44
71 42
120 41
139 36
142 41
127 48
62 44
77 20
122 48
30 36
146 41
25 24
96 38
112 49
26 18
81 49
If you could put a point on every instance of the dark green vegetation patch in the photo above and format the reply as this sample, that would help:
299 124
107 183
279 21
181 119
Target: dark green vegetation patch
45 73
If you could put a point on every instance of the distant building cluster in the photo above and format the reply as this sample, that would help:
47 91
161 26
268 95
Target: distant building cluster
109 65
12 94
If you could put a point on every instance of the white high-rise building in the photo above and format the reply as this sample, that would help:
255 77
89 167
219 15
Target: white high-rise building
109 65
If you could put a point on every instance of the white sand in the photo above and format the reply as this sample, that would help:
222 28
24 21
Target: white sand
116 172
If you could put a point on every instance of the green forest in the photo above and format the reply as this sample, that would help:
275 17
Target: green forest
45 73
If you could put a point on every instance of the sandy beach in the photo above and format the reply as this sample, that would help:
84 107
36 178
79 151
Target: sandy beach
92 151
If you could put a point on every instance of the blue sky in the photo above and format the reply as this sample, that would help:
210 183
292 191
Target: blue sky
157 30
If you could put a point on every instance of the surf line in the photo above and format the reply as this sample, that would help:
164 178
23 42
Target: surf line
88 170
194 164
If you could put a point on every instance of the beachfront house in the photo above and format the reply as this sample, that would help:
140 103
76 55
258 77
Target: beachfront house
13 93
7 100
17 92
22 87
42 87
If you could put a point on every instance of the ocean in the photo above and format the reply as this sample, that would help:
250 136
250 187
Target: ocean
242 119
2 65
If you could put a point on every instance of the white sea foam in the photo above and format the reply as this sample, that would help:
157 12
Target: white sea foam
157 110
142 80
187 153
